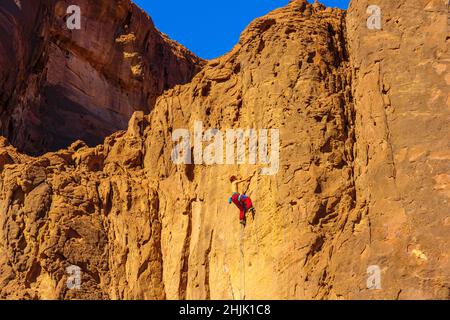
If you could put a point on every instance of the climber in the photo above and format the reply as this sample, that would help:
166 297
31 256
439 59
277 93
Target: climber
243 202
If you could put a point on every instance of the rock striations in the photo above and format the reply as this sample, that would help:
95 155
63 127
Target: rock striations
362 187
60 85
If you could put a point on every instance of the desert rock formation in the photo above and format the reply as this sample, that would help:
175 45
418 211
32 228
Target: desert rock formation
363 118
60 85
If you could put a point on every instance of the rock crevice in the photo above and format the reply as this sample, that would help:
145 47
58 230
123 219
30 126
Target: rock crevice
362 183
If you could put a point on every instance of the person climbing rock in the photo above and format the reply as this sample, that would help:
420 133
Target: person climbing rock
243 202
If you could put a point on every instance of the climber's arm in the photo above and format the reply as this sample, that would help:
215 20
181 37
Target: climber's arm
246 179
243 180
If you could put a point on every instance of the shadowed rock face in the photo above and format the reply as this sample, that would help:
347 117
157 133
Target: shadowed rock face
363 177
60 85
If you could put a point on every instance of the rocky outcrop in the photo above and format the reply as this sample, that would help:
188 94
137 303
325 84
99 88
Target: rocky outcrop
353 189
402 153
60 85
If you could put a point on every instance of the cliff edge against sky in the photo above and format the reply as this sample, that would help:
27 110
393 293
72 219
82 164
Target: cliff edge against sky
363 179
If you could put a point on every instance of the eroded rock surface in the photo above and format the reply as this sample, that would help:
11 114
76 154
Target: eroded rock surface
402 151
60 85
363 179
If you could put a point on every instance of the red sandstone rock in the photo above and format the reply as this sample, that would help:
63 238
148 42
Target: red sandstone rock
60 85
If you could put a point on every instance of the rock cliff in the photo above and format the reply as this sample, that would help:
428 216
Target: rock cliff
362 181
60 85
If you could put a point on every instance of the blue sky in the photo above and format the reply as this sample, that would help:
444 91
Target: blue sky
210 28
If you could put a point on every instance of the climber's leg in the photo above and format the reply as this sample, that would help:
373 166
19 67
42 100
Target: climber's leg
235 199
242 216
248 204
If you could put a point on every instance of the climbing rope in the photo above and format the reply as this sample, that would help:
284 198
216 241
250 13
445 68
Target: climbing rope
242 263
230 285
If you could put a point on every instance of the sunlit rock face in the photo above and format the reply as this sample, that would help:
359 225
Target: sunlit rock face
59 84
357 209
402 152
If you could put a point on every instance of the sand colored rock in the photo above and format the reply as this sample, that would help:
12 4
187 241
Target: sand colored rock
402 150
363 176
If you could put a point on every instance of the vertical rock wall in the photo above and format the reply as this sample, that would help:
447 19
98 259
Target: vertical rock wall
362 118
402 152
59 85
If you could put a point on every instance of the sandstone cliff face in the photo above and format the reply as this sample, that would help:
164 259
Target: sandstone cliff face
60 85
357 185
402 152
